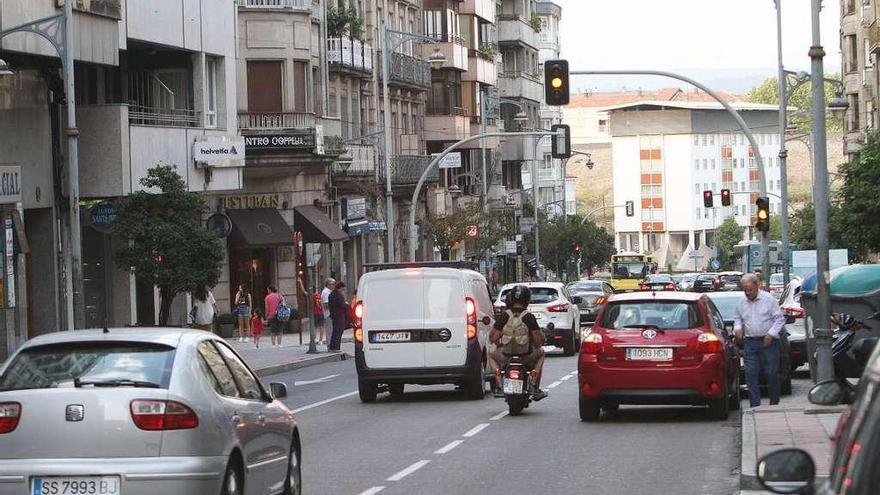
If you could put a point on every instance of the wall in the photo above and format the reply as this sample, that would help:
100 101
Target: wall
635 122
104 160
625 159
676 174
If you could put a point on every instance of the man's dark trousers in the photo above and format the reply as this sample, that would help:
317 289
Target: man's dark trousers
760 358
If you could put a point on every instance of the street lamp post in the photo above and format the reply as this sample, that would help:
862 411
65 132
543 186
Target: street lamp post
58 30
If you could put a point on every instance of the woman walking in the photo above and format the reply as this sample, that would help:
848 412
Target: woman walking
204 307
319 318
340 314
243 305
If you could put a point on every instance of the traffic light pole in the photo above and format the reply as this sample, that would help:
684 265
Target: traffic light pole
765 238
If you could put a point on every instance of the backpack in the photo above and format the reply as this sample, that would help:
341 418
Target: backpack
515 338
283 312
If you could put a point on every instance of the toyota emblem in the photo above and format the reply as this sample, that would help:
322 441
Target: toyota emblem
649 333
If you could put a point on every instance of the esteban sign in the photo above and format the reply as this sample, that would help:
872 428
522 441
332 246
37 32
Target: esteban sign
304 142
10 184
219 152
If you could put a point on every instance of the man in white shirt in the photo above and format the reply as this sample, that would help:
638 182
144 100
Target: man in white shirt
329 287
757 323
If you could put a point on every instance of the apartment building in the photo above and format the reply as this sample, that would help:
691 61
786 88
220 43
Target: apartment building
859 43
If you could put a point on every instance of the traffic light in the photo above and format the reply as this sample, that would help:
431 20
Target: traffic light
560 145
630 208
708 200
556 85
762 217
725 197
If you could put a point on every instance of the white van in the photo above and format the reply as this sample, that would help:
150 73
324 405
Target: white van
425 324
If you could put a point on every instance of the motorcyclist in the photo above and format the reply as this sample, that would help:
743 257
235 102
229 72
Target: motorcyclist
506 344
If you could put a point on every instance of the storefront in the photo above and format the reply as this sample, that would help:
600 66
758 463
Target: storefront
13 300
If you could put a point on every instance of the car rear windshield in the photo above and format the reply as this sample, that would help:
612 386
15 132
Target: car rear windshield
706 277
776 278
664 315
731 279
63 365
586 286
663 279
540 295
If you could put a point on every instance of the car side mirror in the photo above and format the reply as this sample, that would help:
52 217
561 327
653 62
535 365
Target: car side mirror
787 471
577 300
827 393
278 390
863 350
789 319
486 320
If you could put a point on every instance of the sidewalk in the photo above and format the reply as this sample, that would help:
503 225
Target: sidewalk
268 360
793 423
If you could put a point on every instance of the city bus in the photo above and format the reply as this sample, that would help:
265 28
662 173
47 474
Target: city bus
628 269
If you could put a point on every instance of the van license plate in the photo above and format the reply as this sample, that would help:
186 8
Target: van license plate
75 485
381 337
649 354
513 386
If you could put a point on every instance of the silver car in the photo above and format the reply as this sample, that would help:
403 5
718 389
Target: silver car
142 411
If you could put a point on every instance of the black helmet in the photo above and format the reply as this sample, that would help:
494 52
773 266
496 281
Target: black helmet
519 295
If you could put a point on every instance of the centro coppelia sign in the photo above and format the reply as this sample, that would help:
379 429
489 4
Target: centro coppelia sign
302 142
219 152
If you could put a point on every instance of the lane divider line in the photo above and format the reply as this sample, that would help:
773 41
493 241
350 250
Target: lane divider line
476 429
321 403
448 447
554 384
373 491
499 415
566 377
408 471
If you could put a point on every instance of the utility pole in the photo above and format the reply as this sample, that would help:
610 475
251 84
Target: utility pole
783 153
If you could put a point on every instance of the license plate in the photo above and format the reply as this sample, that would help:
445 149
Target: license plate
538 316
391 337
76 485
513 386
649 354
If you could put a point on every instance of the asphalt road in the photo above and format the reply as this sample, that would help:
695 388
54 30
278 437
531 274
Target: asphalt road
434 441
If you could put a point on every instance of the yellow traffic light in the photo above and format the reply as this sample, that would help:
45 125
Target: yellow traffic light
556 82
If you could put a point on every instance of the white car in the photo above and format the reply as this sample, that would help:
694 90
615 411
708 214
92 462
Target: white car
556 311
422 325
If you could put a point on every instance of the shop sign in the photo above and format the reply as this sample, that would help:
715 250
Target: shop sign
376 226
219 152
10 184
101 216
302 142
10 264
451 160
246 201
220 224
354 208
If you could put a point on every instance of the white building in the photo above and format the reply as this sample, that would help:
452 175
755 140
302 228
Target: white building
665 154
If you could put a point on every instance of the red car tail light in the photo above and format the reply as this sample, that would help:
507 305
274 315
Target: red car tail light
161 415
644 287
470 307
559 308
592 344
709 343
10 413
670 286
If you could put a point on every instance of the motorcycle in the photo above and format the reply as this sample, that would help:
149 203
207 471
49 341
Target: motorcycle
848 359
517 385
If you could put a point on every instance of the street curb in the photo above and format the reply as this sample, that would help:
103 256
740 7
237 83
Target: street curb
826 409
305 363
748 474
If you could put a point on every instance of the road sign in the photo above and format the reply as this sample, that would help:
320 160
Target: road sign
510 247
716 264
473 231
526 224
451 160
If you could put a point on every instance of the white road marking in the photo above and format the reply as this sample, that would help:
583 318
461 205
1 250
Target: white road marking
373 491
475 430
327 401
554 385
566 377
317 380
449 446
499 415
408 471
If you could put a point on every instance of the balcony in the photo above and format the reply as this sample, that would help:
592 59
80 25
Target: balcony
481 68
454 126
514 29
350 54
452 48
407 169
275 121
410 71
163 117
484 9
520 85
304 5
363 162
162 99
872 34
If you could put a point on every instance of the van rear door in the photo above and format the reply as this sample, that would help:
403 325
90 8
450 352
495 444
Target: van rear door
393 319
445 319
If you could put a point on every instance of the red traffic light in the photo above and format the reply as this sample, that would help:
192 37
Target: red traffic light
708 200
725 197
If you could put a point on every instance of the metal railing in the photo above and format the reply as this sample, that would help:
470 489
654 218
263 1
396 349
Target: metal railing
407 169
363 162
276 120
410 70
161 98
163 117
350 52
276 4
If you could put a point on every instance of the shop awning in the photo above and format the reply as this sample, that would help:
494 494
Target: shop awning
315 226
260 227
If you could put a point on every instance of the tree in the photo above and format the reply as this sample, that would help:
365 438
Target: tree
560 240
451 229
859 201
775 227
164 239
841 234
768 92
728 235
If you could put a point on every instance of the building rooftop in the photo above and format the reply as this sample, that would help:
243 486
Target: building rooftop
691 105
601 100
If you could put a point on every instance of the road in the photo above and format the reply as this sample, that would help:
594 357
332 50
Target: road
433 441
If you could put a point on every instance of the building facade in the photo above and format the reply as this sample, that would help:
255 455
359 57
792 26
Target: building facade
859 44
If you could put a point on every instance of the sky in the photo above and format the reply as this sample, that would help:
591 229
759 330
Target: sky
729 42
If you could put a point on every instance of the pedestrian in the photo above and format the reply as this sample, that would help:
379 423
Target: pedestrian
757 323
340 314
242 308
493 277
272 301
203 309
329 286
319 317
256 323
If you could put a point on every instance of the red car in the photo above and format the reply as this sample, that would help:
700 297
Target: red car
658 348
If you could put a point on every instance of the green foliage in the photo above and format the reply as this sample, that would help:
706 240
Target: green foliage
802 99
859 199
561 236
535 21
163 237
341 21
775 227
449 230
728 235
841 234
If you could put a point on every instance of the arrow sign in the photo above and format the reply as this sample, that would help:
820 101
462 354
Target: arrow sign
312 382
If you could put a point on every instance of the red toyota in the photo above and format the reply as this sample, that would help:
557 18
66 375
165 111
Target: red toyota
658 348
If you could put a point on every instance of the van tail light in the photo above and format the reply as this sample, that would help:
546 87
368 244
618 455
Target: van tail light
161 415
470 307
709 343
359 322
559 308
592 344
359 335
10 413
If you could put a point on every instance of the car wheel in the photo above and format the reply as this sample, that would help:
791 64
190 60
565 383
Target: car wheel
568 347
232 480
718 408
475 386
293 482
368 391
589 409
576 331
734 394
396 389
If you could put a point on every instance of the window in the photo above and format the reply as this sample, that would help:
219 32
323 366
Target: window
664 315
778 184
705 186
300 72
698 213
712 139
218 372
603 125
696 139
851 52
696 164
706 213
247 383
853 122
714 186
705 140
697 188
713 164
705 164
742 186
210 92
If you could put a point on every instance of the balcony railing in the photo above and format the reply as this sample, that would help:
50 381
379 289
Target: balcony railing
276 4
163 117
351 53
407 169
363 162
410 70
276 120
161 99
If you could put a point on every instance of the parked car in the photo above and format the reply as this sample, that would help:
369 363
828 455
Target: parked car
591 286
658 348
687 281
706 282
777 284
141 411
790 302
658 282
422 325
729 281
556 311
591 293
726 303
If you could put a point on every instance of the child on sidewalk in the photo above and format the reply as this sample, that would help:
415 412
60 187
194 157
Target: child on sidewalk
257 326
